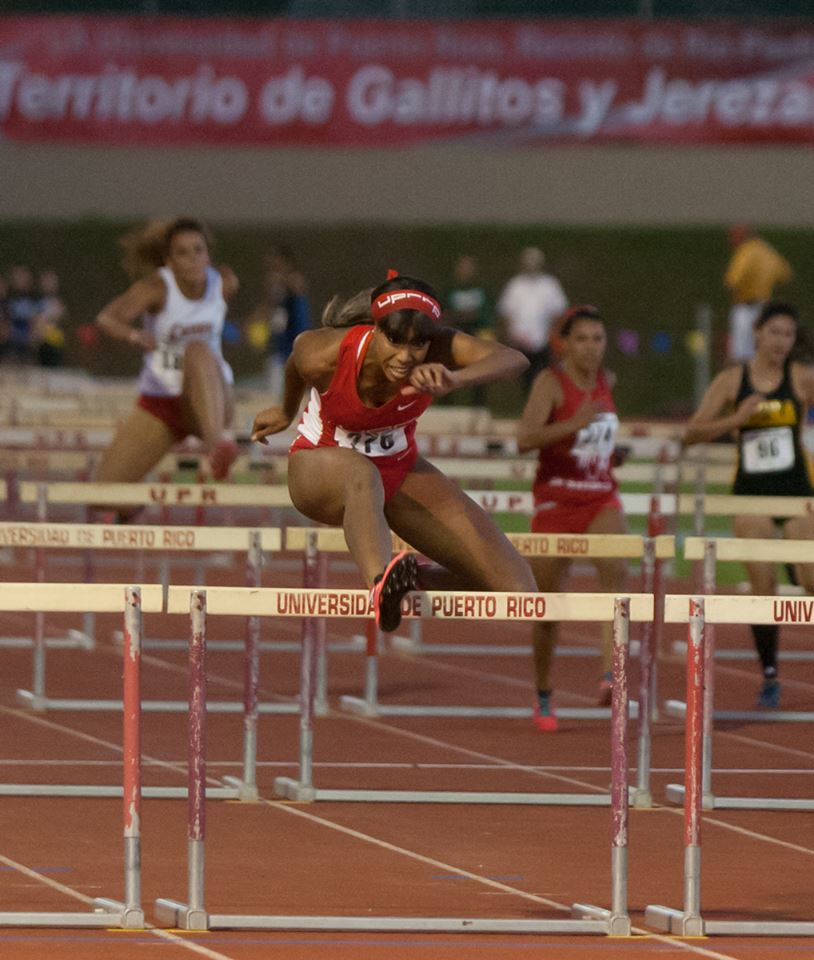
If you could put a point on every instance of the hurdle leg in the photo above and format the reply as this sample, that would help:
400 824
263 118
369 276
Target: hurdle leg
321 686
689 921
617 918
367 706
35 698
707 798
642 796
247 785
130 911
192 914
108 912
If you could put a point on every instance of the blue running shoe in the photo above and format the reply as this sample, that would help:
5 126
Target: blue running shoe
769 696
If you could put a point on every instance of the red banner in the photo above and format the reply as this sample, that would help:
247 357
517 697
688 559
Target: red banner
167 80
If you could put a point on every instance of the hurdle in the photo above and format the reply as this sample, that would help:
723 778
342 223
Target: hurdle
332 540
126 914
83 638
651 550
32 599
698 611
106 537
193 915
353 604
730 610
742 550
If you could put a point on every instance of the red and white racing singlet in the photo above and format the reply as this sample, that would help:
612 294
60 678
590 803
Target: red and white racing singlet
578 469
338 418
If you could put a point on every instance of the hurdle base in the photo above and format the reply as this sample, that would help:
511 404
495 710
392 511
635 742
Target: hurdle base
98 918
172 913
108 790
367 708
668 920
130 918
677 708
679 648
409 645
33 701
73 640
618 924
404 924
675 794
245 791
237 646
291 789
641 799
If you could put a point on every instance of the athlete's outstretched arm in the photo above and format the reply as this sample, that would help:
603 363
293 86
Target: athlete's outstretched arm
465 361
311 363
118 317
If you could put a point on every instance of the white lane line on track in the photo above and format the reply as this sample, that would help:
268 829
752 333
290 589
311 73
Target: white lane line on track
488 676
495 885
181 769
97 741
754 835
395 765
83 898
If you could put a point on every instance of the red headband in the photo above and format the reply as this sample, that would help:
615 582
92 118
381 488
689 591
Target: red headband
394 300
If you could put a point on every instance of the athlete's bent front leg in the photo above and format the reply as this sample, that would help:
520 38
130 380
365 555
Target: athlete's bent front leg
139 444
341 487
209 406
549 573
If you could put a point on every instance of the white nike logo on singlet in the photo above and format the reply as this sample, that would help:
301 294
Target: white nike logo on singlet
403 406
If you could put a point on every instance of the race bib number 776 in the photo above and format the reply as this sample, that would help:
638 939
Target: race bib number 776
373 443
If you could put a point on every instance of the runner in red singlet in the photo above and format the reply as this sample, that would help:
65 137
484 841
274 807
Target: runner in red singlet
571 418
371 371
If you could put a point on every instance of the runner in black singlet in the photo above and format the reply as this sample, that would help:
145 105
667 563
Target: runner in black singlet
767 399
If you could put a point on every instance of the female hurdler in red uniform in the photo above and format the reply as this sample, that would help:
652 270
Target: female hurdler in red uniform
371 371
571 418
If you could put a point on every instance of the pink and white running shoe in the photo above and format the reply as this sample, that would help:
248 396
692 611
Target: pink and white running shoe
399 578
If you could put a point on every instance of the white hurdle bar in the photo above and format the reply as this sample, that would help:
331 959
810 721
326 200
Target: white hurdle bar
193 915
247 495
732 609
127 914
689 921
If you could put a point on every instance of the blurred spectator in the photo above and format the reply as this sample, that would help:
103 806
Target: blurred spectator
48 323
466 307
282 316
5 327
22 305
528 305
753 271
